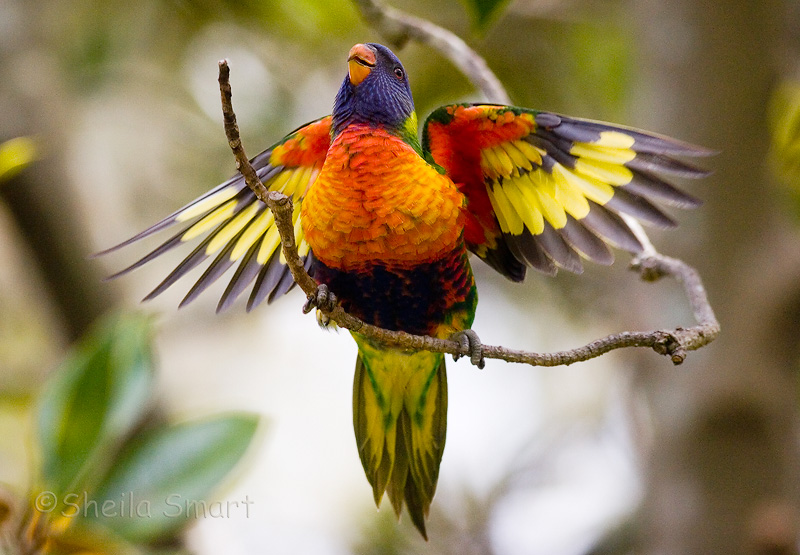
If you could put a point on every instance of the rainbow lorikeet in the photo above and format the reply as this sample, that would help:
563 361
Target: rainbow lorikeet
387 222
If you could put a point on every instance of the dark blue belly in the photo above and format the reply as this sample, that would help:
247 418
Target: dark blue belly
415 300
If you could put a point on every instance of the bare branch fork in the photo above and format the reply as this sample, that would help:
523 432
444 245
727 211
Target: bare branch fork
674 343
399 27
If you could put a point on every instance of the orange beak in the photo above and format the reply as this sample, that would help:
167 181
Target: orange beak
360 62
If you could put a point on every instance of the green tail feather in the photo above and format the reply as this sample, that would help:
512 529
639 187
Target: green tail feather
400 421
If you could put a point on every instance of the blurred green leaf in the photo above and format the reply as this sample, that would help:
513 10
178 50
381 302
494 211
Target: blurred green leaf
94 399
484 12
15 155
784 119
162 480
602 62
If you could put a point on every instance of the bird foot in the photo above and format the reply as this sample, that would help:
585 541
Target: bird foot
324 300
470 341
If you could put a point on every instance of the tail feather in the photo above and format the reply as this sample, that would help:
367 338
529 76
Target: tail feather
397 486
400 421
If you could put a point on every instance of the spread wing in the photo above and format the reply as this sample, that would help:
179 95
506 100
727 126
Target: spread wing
236 227
545 190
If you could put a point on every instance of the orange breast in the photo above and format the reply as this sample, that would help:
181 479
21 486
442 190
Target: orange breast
377 202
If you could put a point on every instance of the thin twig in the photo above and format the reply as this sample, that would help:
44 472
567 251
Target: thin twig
398 27
647 245
673 343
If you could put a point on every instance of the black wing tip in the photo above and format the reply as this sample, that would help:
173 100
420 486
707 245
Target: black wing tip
123 271
153 229
192 295
698 151
587 130
530 252
608 261
662 144
695 202
611 228
213 272
285 284
587 244
112 277
517 277
152 294
224 305
558 249
686 202
663 163
109 250
268 278
504 260
547 119
245 274
640 208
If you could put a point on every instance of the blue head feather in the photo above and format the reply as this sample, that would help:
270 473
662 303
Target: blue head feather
383 98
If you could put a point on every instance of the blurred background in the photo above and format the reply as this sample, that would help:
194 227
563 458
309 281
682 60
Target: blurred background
118 106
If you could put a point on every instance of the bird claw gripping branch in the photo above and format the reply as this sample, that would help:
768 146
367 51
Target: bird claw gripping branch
471 343
325 301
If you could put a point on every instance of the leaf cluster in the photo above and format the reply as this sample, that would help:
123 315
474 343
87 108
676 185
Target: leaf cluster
113 476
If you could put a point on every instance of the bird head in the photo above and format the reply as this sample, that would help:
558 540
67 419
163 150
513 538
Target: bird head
375 91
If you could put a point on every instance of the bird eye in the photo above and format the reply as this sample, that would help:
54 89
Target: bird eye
398 72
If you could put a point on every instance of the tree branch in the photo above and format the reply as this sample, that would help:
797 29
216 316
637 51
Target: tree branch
399 27
674 343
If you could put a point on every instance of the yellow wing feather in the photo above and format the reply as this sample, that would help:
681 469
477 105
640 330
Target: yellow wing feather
231 221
